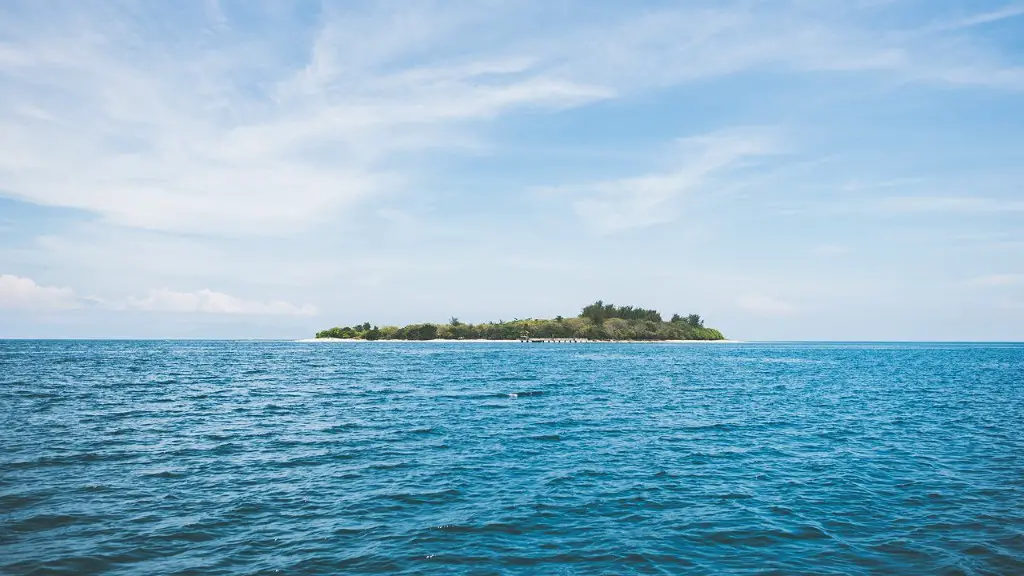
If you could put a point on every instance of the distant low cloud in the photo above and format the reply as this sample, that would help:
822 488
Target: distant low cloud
21 293
766 305
210 302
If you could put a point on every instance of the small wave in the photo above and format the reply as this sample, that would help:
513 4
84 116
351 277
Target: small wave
389 466
228 448
163 474
190 536
525 394
42 522
436 497
341 427
355 530
735 496
776 360
364 460
493 528
15 501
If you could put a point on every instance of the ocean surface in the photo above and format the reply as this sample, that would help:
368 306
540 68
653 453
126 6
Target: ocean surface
177 457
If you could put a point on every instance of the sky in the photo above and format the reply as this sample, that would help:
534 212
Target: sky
788 169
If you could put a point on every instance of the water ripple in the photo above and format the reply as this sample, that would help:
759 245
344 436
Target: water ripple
249 457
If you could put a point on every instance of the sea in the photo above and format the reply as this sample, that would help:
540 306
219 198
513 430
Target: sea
242 457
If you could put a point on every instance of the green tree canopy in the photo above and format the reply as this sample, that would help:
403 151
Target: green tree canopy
597 321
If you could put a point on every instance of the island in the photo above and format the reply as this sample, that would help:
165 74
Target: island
596 322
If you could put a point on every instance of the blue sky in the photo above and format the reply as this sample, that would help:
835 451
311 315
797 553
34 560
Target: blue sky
787 169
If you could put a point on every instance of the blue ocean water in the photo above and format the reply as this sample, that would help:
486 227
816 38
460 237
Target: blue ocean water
172 457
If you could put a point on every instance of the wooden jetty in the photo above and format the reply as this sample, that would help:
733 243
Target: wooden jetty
552 340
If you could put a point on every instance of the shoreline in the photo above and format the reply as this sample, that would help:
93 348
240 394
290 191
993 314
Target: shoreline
480 340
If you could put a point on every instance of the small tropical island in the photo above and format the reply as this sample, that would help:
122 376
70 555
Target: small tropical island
597 322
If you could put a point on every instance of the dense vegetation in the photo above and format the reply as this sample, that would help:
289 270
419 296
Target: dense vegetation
598 321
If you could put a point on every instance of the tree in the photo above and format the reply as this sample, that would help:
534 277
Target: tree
618 329
598 312
595 312
421 332
596 321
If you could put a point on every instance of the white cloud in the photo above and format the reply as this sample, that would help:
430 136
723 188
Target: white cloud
23 293
210 302
997 280
615 205
240 132
766 305
157 143
688 43
157 117
978 19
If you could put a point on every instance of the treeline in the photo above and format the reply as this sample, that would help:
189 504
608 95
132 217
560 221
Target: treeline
598 312
597 321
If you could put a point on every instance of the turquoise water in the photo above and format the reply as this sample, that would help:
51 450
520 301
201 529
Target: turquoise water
441 458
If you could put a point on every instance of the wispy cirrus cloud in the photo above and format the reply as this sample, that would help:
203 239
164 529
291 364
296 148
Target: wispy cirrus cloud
232 144
998 280
180 120
977 19
610 206
354 149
